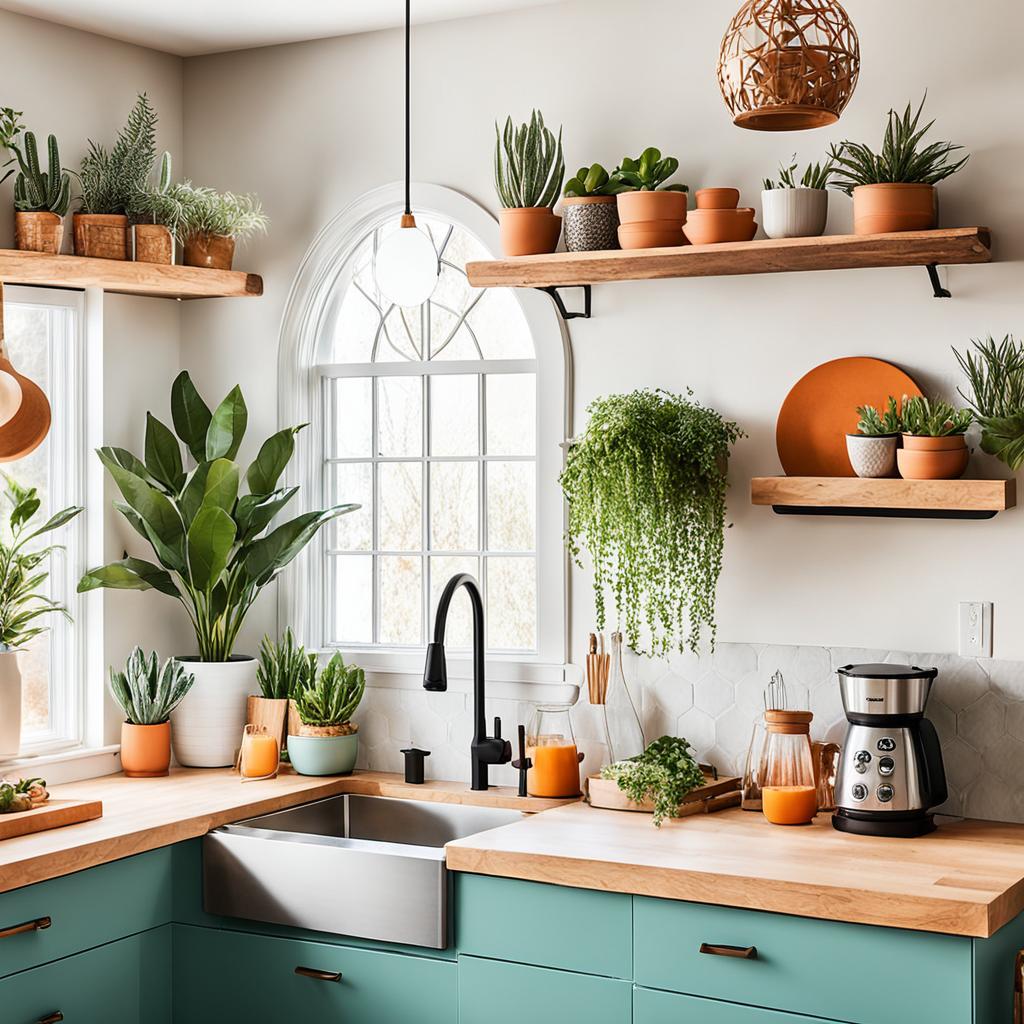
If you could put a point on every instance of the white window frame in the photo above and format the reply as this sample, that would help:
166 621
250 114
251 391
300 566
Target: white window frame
308 311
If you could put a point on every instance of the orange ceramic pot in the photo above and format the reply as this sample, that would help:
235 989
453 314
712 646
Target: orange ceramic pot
717 198
932 458
878 209
651 234
528 230
214 252
101 235
638 207
40 231
145 750
705 227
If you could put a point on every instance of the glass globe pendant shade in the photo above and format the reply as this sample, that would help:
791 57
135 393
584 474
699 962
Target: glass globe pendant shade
406 267
10 397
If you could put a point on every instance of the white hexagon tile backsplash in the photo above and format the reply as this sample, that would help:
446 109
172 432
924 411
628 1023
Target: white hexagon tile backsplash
977 707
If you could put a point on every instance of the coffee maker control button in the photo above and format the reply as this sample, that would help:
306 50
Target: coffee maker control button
885 792
861 760
859 791
887 744
886 766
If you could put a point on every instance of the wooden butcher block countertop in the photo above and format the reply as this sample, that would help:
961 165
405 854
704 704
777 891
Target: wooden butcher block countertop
965 879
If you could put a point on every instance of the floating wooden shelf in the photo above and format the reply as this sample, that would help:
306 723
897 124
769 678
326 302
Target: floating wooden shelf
852 496
945 246
125 277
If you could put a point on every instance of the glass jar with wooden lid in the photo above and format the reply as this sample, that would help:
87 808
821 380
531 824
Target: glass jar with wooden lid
788 791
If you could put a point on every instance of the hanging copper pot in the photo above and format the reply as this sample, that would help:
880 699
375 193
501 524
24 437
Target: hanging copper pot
27 417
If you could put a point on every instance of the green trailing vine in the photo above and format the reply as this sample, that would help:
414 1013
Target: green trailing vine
646 487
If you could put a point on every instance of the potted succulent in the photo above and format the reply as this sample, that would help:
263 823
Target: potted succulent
109 180
652 213
156 212
995 372
934 447
322 739
21 602
41 198
872 449
211 223
213 552
590 211
792 209
894 190
284 669
528 175
147 695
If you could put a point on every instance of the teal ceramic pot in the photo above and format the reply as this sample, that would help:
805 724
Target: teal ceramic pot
323 755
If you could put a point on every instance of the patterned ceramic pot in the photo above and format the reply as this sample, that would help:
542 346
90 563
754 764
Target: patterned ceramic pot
872 456
591 223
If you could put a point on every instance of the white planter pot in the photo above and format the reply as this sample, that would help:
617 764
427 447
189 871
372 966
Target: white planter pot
10 704
872 456
206 727
794 212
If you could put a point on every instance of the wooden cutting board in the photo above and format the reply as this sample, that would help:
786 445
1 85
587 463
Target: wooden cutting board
52 814
714 795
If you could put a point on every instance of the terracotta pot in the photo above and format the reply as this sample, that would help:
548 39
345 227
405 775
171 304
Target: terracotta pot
878 209
145 750
932 458
705 227
637 207
794 212
153 244
717 198
103 236
214 252
590 223
651 234
38 232
872 455
528 230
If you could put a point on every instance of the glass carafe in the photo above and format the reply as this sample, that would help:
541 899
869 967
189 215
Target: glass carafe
551 747
754 767
788 791
623 732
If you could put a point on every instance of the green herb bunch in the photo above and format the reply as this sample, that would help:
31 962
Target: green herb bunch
331 698
285 667
646 487
528 163
875 424
594 181
817 176
648 172
664 773
931 417
206 212
995 373
147 695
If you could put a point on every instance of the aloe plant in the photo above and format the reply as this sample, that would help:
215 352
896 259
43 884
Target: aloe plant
332 697
528 163
816 176
36 190
593 181
146 694
213 552
648 173
932 417
284 668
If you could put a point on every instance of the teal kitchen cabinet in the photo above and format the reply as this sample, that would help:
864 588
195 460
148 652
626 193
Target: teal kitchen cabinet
651 1007
234 976
493 992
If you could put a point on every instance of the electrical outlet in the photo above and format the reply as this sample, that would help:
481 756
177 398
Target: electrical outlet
975 629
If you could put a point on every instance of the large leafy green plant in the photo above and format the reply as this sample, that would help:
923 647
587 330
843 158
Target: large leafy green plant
211 541
646 489
995 372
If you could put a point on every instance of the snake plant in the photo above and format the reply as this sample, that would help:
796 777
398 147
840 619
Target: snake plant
146 694
528 163
284 667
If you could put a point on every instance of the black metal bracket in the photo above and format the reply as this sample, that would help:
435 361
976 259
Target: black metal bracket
933 276
552 290
883 513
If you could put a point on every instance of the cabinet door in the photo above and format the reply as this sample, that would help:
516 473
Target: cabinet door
235 976
650 1007
494 992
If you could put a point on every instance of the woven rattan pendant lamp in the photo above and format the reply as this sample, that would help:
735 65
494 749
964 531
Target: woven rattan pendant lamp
788 65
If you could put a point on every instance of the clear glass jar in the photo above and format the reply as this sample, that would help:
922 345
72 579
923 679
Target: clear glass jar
623 733
754 767
788 791
551 747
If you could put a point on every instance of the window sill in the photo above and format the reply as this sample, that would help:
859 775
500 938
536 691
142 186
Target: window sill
62 766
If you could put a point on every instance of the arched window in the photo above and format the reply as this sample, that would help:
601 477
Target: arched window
444 423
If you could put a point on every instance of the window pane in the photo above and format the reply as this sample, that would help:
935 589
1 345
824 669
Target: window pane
498 322
351 583
353 482
511 414
511 506
511 603
400 508
34 664
352 417
459 631
399 416
454 414
401 599
454 502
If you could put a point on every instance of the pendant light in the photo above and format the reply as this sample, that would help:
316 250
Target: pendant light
788 65
405 265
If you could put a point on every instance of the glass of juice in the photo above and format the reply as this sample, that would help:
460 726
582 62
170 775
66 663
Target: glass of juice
551 747
259 757
788 791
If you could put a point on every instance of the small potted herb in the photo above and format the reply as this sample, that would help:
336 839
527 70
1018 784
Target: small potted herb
894 189
322 739
872 449
797 209
995 372
652 212
285 668
210 224
934 447
528 174
590 211
147 695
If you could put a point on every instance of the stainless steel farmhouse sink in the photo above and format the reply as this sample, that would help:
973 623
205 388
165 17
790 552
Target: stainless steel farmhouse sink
366 866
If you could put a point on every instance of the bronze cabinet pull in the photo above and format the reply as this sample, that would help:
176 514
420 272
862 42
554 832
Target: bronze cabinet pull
312 972
29 926
740 952
51 1018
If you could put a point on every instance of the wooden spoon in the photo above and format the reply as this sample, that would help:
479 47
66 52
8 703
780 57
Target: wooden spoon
27 428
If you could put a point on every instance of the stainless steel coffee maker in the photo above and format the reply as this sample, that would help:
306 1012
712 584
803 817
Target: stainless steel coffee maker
891 772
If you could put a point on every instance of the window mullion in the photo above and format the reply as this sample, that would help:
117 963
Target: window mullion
481 404
425 573
375 518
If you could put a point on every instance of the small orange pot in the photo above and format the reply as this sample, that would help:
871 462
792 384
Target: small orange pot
717 198
103 236
41 231
878 209
153 244
528 230
214 252
705 227
932 458
145 750
637 207
651 234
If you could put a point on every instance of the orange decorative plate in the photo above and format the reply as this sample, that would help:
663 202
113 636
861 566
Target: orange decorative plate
821 409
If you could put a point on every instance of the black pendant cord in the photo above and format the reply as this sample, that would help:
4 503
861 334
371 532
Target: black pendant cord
408 203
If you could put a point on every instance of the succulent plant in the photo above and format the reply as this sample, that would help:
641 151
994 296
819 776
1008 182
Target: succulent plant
284 668
928 417
817 176
528 163
332 697
146 694
593 181
648 173
995 372
872 423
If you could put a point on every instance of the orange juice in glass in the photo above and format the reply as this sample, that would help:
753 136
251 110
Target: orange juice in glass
788 792
551 747
259 757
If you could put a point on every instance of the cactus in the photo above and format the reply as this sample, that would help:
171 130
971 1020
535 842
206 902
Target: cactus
36 190
146 694
528 164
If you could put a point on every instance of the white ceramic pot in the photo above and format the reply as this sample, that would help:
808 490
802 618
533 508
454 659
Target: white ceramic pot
10 704
206 727
872 456
794 212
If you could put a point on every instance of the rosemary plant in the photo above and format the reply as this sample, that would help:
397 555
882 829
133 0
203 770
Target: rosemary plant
646 487
147 695
206 212
528 163
284 668
995 373
331 698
